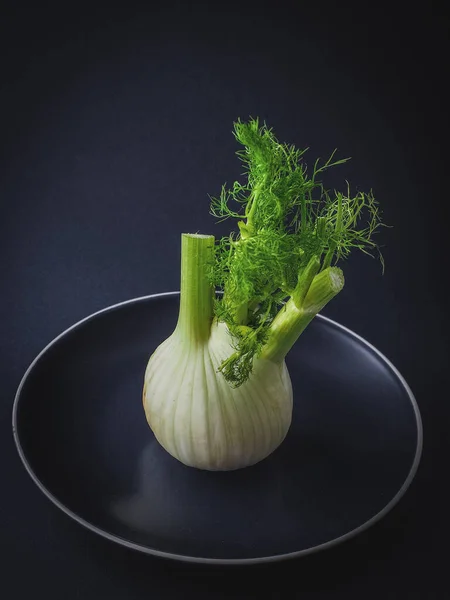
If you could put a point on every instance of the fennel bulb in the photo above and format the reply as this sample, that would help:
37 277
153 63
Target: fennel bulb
200 419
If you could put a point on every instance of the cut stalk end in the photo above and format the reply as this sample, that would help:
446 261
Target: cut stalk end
197 293
291 321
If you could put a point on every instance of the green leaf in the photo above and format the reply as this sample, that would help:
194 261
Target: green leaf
285 218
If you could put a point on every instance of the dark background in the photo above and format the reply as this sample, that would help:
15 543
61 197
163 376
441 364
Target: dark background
115 125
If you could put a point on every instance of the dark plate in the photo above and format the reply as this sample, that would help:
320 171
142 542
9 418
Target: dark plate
351 453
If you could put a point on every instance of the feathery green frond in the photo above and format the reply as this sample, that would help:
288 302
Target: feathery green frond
287 220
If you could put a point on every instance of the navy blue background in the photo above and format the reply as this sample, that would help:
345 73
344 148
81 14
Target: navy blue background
115 125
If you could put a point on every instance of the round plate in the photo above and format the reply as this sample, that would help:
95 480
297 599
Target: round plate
80 429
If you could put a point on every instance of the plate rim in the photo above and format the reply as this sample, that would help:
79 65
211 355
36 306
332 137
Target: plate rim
208 560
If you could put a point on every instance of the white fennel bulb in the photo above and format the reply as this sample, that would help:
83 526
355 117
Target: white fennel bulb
199 418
